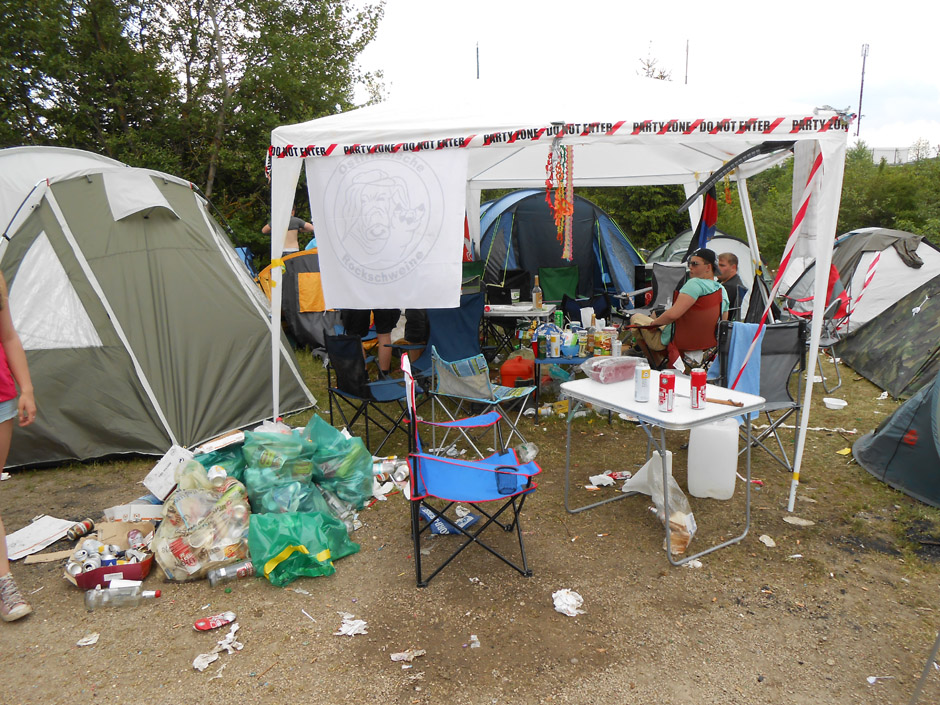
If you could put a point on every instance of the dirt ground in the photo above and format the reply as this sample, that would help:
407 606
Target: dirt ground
808 621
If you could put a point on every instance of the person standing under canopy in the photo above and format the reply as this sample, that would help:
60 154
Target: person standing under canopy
291 244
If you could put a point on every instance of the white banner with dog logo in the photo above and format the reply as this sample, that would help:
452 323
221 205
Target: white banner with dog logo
389 228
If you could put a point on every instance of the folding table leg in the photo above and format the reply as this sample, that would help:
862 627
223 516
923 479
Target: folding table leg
747 500
622 495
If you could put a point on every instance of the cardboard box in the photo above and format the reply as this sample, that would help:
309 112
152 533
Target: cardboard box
115 533
105 574
134 512
162 478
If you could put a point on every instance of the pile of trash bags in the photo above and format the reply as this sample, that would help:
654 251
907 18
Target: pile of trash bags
287 498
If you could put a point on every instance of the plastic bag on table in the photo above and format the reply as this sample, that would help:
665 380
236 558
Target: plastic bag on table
649 480
341 465
607 370
202 529
287 546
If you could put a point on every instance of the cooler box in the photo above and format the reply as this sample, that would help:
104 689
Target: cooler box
516 368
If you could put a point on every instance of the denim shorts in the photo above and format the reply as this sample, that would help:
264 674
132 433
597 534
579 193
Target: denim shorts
8 410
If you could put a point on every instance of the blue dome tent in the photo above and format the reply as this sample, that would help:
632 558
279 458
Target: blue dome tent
517 231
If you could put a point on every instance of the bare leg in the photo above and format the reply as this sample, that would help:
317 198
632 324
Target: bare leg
6 433
385 352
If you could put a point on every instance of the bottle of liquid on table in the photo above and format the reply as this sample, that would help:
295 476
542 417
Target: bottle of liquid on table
117 597
591 332
537 295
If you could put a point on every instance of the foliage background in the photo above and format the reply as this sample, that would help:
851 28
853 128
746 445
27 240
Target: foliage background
194 88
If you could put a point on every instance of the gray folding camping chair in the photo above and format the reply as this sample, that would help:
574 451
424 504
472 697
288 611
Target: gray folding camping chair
782 353
667 278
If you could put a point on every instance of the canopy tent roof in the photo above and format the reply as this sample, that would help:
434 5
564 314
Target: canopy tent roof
500 136
647 132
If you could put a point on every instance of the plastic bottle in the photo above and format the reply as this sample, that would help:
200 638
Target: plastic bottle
245 569
537 295
713 459
117 597
591 332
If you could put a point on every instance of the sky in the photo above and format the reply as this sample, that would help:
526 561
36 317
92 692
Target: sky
807 53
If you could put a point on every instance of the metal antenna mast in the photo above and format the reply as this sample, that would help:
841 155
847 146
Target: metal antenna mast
858 124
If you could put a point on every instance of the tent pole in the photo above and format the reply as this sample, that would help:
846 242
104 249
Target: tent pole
748 215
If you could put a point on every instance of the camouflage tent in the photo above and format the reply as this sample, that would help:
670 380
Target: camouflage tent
899 350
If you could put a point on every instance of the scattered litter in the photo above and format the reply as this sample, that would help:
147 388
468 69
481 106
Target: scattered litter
844 451
568 602
602 480
409 655
874 679
474 642
694 563
308 616
35 536
801 498
202 661
476 581
798 521
883 395
218 674
796 555
4 476
226 643
299 591
88 640
214 622
767 541
37 590
837 429
350 625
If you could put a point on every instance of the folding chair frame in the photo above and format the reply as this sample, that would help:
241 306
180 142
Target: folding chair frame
438 506
786 408
351 407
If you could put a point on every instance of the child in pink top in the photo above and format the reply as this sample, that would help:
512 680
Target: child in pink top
13 368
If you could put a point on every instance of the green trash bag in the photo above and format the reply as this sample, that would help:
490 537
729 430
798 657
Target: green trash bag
341 465
288 456
287 546
230 458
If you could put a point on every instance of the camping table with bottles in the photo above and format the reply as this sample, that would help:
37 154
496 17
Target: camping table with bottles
523 311
618 397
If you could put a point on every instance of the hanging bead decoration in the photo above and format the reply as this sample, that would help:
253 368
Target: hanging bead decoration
559 192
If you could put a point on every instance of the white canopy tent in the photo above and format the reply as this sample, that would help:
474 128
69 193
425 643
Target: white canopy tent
413 167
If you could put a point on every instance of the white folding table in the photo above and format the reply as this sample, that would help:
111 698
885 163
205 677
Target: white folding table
618 397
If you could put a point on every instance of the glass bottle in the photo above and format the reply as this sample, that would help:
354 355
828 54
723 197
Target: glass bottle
537 295
245 569
117 596
591 332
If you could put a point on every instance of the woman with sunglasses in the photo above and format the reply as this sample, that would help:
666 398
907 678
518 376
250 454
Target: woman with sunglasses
654 340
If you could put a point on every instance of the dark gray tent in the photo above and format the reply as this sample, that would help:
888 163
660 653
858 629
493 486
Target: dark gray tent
141 326
904 451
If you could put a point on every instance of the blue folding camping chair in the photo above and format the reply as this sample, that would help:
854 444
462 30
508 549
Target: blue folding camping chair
492 487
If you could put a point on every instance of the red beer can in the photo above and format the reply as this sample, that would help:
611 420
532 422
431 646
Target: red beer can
698 389
667 390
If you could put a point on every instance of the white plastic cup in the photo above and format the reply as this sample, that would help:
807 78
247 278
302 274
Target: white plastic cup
516 294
